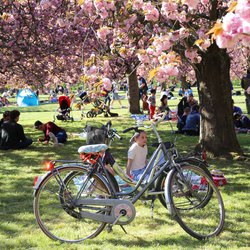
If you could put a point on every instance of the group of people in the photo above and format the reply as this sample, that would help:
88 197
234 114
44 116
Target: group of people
12 134
187 110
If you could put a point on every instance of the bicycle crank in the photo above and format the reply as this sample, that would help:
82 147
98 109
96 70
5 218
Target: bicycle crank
113 211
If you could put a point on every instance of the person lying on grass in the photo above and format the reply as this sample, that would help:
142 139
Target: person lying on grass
51 132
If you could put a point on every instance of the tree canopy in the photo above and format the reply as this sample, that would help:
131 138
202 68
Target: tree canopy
51 41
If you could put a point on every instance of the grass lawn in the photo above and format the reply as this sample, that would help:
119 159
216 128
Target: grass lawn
18 228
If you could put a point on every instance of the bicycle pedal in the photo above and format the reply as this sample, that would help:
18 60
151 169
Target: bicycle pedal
109 228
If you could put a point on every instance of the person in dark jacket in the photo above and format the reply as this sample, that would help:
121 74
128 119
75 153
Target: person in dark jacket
192 126
12 133
182 120
241 123
186 101
51 132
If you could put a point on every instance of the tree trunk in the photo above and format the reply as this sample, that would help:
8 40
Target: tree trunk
217 134
133 93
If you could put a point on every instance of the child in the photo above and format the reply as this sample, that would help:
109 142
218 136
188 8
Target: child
137 155
152 103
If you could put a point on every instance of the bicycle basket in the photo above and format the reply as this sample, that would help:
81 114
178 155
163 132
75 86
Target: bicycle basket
96 132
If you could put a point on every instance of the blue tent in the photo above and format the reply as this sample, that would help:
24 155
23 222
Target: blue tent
26 97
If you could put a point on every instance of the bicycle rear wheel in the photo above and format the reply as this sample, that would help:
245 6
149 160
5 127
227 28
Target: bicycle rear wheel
199 212
54 207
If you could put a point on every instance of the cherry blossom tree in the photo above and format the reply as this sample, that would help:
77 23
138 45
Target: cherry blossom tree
36 45
176 33
62 40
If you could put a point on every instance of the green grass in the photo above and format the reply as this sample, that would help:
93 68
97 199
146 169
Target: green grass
18 228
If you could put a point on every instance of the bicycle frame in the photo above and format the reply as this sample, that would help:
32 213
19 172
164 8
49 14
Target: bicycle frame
169 155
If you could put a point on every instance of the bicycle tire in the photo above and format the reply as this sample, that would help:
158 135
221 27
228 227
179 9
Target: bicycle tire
201 217
89 114
160 184
54 207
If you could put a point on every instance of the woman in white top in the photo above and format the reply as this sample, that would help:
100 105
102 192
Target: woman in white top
137 156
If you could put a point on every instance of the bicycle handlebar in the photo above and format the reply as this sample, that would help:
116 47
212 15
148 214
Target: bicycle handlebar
135 128
117 136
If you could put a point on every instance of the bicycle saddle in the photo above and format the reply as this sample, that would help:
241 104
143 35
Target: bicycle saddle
95 148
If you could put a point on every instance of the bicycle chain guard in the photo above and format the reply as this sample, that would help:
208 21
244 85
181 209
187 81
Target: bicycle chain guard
122 212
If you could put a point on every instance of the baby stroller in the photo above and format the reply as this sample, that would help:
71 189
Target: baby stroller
64 109
99 107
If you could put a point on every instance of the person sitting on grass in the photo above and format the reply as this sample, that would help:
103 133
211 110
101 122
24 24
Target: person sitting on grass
12 133
6 117
186 101
236 109
163 108
137 156
51 132
241 123
192 126
182 120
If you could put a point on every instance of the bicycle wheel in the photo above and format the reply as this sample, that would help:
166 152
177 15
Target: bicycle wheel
199 212
54 207
160 185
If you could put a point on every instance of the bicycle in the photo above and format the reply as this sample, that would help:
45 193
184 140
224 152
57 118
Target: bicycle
75 201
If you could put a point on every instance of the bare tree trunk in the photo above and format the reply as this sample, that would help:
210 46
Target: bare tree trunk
133 93
217 135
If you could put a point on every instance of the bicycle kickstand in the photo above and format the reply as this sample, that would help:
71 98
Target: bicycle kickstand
152 206
124 230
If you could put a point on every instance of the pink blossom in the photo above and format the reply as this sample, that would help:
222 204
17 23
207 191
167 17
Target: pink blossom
93 70
205 2
104 14
246 27
193 56
107 84
165 72
110 5
103 32
144 58
225 40
243 9
45 4
137 4
205 44
128 22
162 43
150 50
192 4
151 13
231 23
183 32
168 7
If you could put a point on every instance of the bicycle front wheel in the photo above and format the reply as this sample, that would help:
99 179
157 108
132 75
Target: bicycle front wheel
54 201
194 201
161 182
